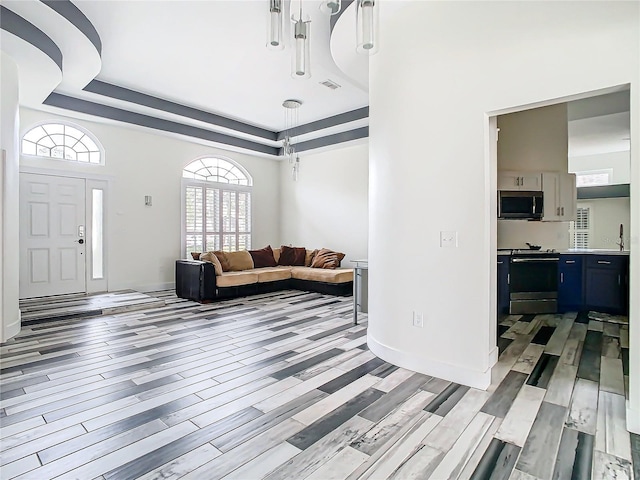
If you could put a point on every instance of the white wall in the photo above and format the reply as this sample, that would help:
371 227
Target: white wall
9 266
606 216
619 162
442 70
533 140
328 206
144 242
516 234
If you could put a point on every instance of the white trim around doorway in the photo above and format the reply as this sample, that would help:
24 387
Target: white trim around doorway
93 181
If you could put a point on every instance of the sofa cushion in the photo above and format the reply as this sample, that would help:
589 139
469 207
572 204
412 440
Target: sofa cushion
276 254
273 274
308 258
239 261
292 255
326 258
337 275
211 257
263 257
234 279
222 258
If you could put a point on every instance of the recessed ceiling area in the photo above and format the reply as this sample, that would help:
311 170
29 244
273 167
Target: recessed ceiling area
603 134
212 55
197 68
599 125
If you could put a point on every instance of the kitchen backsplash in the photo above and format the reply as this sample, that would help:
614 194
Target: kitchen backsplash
516 234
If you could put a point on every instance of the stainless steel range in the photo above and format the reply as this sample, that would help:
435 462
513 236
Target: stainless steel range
533 284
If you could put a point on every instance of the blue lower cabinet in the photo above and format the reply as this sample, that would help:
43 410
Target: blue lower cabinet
570 283
503 284
606 283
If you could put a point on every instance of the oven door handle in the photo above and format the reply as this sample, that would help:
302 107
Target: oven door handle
522 260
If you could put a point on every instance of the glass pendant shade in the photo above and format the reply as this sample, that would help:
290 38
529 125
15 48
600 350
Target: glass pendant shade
367 26
295 169
300 64
274 30
331 7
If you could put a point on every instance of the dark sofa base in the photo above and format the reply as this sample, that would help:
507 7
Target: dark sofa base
340 289
196 280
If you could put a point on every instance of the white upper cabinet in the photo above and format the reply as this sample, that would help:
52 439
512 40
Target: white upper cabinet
520 181
560 197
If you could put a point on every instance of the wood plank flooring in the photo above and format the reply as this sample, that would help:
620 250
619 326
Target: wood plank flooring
282 386
63 307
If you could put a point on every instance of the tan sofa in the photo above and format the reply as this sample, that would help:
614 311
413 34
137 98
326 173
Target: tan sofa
208 279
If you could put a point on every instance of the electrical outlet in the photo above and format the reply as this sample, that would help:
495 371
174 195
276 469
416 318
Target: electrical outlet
418 319
448 239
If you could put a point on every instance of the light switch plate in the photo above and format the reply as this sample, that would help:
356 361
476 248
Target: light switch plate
449 239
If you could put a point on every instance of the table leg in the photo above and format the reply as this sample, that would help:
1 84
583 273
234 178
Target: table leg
355 296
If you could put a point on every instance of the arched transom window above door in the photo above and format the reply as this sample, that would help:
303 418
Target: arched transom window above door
64 142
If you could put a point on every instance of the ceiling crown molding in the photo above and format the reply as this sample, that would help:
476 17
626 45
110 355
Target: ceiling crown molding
74 15
156 103
13 23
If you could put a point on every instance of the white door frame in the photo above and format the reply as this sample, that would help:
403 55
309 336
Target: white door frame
92 181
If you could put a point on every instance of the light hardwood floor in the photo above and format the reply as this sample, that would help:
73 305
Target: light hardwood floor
282 386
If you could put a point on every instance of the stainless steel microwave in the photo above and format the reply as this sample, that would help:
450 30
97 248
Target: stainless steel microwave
520 204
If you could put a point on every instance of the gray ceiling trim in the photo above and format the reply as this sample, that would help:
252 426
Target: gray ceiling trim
74 15
332 139
18 26
328 122
132 96
604 191
334 18
104 111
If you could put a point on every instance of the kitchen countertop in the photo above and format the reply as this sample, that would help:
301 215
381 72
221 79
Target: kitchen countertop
593 251
575 251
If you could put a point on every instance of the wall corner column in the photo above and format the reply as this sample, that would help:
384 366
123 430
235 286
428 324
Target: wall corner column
9 196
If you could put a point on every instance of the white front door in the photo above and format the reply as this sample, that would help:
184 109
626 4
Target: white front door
52 235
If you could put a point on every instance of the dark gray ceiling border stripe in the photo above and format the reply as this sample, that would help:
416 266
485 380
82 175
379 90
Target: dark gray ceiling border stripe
328 122
332 139
604 191
104 111
132 96
74 15
334 18
18 26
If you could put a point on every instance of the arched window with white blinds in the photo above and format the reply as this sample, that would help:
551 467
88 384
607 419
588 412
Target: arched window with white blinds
216 206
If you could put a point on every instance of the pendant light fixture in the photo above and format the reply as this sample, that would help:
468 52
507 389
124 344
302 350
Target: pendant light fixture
291 122
276 15
367 26
300 61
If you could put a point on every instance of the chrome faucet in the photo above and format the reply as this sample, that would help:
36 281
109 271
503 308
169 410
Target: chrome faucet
621 242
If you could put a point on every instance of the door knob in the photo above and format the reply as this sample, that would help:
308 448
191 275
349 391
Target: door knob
81 241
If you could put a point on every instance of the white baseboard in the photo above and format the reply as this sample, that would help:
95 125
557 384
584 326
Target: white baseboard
446 371
493 356
633 419
155 287
12 329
